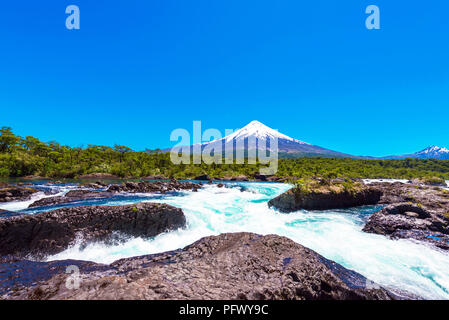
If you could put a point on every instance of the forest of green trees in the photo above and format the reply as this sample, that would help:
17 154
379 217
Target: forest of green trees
27 156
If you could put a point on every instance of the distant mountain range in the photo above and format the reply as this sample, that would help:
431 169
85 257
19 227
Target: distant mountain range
432 152
293 148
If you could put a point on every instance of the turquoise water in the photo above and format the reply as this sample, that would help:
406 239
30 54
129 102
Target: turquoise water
400 265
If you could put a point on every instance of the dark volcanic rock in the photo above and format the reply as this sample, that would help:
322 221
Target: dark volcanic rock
406 220
260 177
228 266
203 177
51 232
326 197
16 273
153 187
13 193
431 198
413 212
399 216
72 196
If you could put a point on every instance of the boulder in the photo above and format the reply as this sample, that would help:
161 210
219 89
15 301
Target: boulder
314 195
407 220
259 177
203 177
228 266
412 211
52 232
393 217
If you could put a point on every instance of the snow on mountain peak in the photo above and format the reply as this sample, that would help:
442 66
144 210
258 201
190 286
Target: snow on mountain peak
434 150
260 131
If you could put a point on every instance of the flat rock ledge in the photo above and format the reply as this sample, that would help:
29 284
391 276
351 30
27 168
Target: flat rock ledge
325 197
228 266
51 232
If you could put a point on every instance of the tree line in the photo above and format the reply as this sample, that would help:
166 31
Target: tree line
25 156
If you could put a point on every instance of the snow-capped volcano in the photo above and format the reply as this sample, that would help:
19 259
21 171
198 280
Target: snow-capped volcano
432 152
292 148
260 131
257 131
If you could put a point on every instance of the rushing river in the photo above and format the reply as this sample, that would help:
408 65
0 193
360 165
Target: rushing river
336 234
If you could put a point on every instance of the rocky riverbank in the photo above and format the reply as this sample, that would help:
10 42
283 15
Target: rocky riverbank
228 266
51 232
413 211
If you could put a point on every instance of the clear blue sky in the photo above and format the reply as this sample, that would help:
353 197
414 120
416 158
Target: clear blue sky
136 70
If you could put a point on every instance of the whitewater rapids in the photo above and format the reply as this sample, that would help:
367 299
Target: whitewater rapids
399 265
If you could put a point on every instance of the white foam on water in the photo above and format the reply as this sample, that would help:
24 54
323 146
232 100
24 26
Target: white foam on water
21 205
395 264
